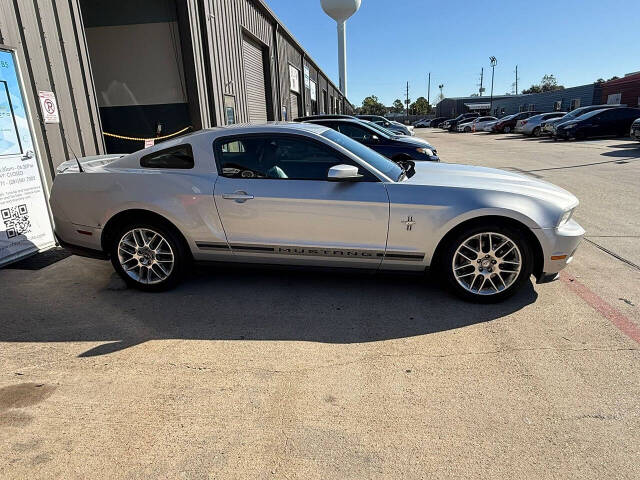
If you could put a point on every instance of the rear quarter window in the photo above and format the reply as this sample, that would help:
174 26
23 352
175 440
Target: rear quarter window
180 157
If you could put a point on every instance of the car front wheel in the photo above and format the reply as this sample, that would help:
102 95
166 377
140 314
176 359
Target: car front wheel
148 257
487 264
507 129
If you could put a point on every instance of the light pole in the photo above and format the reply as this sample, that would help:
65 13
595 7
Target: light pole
494 62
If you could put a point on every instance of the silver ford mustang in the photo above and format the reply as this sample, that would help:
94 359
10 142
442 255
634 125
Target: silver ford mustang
303 194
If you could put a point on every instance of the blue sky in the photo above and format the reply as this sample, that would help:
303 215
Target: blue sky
391 42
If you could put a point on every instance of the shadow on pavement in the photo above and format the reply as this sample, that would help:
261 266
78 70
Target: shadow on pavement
237 304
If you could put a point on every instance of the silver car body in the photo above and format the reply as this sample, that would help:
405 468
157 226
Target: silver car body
528 125
385 224
476 124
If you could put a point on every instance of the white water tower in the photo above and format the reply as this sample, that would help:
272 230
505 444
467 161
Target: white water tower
340 11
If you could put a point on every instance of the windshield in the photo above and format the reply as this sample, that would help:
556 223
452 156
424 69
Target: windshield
374 159
385 133
590 114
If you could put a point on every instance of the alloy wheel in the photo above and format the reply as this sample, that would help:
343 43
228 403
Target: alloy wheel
487 263
145 256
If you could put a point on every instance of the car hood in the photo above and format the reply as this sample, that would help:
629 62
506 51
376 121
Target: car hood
414 142
482 178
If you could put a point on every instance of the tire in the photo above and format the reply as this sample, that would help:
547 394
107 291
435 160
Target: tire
507 130
536 132
490 275
139 244
467 129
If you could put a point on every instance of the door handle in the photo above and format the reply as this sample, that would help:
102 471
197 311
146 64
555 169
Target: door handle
238 196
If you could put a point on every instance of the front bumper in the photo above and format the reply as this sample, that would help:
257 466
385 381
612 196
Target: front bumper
635 132
558 247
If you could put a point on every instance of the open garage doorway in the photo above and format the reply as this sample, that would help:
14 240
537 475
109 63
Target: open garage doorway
136 59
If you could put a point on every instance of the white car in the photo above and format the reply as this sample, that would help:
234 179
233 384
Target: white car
304 194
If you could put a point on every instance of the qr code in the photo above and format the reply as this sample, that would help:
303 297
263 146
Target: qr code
16 220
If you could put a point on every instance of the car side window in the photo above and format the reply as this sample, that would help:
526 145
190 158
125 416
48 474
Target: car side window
354 131
279 158
180 157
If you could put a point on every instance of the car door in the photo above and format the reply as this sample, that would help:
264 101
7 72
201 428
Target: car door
276 205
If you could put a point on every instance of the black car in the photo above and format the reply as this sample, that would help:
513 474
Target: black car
437 121
398 148
548 126
599 123
507 124
452 124
635 129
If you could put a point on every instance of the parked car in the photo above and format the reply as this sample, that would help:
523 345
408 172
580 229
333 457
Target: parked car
479 123
398 148
599 123
422 123
531 125
437 121
395 127
464 126
304 194
452 124
548 126
507 124
490 126
635 129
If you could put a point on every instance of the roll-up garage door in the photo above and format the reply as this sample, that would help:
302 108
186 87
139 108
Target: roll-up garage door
294 107
254 81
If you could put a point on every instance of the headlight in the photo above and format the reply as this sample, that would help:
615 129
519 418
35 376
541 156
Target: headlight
565 217
425 151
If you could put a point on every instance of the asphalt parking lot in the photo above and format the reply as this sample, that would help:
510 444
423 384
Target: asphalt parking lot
254 373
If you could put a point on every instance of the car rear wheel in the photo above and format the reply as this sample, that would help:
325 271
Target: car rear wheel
148 257
507 129
487 264
536 132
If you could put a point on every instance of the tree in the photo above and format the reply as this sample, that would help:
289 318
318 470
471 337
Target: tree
372 106
548 84
397 107
615 77
420 107
600 80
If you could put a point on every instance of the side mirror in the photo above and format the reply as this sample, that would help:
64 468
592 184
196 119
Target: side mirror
343 173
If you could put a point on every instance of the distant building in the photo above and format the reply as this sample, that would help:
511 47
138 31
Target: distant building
557 100
625 90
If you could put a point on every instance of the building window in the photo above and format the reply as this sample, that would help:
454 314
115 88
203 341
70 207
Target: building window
532 107
614 99
230 109
575 103
557 106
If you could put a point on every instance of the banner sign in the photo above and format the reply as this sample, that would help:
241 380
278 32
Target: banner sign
294 79
307 77
314 90
25 225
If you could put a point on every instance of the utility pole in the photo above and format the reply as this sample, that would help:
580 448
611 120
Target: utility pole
481 78
516 79
494 62
407 103
429 89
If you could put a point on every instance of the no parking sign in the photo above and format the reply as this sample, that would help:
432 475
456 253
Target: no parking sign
49 107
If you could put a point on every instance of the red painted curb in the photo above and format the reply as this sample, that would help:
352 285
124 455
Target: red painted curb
596 302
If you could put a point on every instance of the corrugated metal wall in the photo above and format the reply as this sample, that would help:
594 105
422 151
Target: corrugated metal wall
52 52
545 102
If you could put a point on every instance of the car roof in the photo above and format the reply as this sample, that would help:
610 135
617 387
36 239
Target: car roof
319 117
